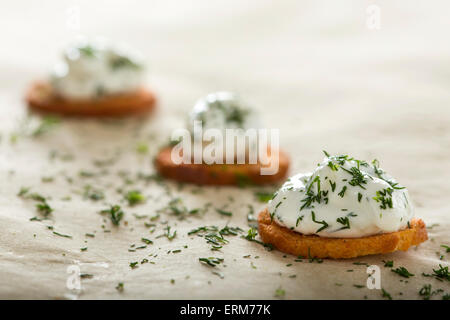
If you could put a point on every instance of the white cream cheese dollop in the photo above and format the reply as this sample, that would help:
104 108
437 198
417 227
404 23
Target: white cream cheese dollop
342 198
90 70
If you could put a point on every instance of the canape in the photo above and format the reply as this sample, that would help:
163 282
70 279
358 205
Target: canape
94 79
345 208
219 114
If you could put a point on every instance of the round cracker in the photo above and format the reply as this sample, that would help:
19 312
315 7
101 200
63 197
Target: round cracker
41 97
313 246
218 174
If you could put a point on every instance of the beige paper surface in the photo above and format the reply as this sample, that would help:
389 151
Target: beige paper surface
313 70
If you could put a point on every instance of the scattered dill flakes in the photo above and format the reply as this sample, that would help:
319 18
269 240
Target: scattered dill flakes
116 214
138 216
93 194
203 229
427 293
251 219
37 197
86 174
62 235
84 249
402 271
263 196
385 294
358 286
447 248
251 234
23 191
142 148
433 225
134 197
44 208
243 180
280 293
178 209
440 274
219 274
224 213
233 231
146 241
47 123
170 235
133 264
215 236
155 217
388 264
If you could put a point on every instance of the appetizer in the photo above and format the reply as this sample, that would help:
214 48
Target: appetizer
94 79
222 112
345 208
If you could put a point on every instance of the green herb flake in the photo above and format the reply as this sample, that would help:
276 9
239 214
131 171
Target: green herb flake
402 271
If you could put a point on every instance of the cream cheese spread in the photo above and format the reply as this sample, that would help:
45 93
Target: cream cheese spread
342 198
91 70
223 110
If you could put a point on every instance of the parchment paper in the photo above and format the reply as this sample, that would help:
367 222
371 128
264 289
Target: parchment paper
312 68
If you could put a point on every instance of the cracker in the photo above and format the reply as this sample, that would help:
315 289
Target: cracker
218 174
41 97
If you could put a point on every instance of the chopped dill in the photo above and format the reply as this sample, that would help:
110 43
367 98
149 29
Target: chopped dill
402 271
323 222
